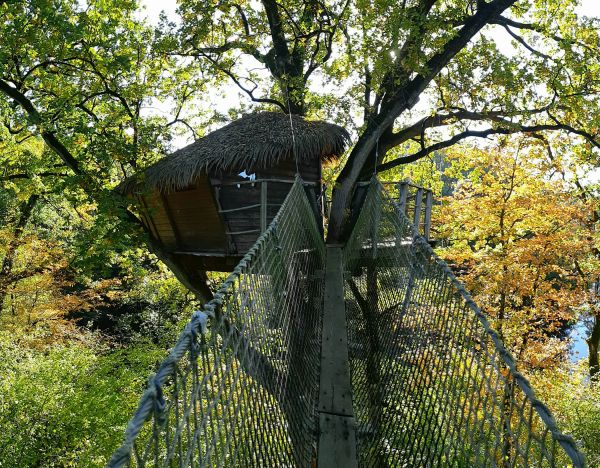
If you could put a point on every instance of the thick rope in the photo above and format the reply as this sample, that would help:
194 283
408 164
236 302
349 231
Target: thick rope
258 300
432 382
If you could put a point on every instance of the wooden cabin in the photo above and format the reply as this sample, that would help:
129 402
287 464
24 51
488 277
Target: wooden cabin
207 203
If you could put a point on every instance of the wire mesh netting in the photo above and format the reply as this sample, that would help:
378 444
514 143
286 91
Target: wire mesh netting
432 383
241 384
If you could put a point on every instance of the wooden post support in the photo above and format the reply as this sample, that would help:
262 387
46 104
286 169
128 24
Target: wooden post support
149 219
263 206
337 428
171 219
402 195
325 202
428 208
418 203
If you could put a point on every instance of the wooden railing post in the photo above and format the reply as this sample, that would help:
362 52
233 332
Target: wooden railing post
428 208
402 195
418 203
263 206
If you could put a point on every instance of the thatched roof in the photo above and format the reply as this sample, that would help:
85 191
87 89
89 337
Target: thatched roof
256 141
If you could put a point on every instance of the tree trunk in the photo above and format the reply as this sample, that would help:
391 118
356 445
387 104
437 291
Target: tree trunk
402 95
593 343
197 286
344 187
25 209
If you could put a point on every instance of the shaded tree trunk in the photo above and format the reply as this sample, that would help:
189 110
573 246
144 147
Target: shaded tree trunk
6 270
401 93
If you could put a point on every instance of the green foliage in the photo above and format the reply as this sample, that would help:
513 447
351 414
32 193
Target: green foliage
523 241
68 405
66 392
575 403
520 241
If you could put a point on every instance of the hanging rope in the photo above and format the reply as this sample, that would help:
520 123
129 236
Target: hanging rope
294 143
287 95
376 158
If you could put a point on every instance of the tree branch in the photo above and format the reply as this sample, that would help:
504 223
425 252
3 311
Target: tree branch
248 91
29 176
438 120
483 134
521 41
402 99
277 36
328 43
405 97
89 185
35 118
503 21
244 18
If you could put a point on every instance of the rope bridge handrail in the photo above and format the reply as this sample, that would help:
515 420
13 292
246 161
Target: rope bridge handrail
240 386
432 383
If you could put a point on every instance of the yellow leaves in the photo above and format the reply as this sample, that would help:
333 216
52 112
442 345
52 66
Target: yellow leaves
545 354
514 235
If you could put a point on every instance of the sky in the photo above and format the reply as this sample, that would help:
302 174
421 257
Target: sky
153 8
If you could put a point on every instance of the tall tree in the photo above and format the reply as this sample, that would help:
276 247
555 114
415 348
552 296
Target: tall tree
386 56
523 244
424 72
79 78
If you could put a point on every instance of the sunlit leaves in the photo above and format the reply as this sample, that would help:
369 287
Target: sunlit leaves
520 240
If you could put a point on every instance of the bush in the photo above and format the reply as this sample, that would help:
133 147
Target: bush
575 403
68 405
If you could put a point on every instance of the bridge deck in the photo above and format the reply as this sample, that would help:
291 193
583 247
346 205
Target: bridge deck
337 438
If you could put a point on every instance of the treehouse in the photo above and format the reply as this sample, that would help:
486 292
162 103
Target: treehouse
206 204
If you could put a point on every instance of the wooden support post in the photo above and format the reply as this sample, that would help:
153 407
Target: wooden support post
149 219
171 219
402 195
428 208
311 195
418 203
231 246
337 428
401 207
263 206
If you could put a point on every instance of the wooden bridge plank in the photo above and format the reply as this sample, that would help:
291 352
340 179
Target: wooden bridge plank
337 428
335 391
337 443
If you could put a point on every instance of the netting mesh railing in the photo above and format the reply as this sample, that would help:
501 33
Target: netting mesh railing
241 384
432 383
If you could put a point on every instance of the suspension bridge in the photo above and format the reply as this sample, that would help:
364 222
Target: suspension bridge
367 354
